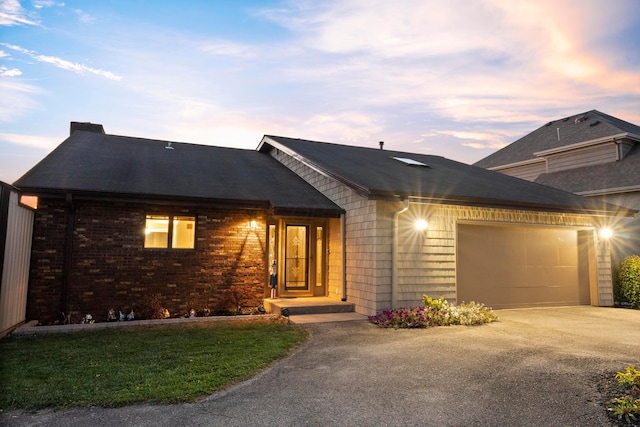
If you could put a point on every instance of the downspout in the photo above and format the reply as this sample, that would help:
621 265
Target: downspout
68 255
394 255
343 221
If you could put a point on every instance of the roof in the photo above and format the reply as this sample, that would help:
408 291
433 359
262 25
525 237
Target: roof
374 173
92 163
621 175
589 126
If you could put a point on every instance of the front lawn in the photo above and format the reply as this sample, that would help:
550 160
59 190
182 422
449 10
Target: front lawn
122 366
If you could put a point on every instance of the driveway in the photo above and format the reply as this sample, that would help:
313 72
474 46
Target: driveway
535 367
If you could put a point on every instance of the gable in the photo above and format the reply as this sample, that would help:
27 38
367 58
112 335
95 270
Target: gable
570 133
375 174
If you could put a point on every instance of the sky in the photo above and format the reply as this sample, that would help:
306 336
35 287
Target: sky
454 78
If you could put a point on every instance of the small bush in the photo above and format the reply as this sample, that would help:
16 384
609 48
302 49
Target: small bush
435 312
629 280
240 300
150 308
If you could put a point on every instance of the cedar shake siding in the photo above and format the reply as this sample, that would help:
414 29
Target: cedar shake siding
110 268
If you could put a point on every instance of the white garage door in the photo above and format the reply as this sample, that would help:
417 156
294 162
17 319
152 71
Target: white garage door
521 266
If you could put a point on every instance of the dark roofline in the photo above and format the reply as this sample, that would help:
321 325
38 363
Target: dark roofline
205 202
144 198
586 208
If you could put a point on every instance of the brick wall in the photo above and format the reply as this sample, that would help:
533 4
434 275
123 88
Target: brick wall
111 269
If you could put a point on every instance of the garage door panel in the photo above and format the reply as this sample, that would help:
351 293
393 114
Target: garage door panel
517 266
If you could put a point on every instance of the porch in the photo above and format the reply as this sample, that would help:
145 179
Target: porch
314 309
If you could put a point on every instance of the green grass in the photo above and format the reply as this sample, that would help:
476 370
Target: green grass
122 366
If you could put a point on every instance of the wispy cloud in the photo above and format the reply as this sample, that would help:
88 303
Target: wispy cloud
12 13
63 63
30 140
9 72
228 48
84 16
17 99
39 4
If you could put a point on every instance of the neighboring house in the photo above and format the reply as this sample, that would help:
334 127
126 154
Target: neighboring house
591 154
16 224
121 219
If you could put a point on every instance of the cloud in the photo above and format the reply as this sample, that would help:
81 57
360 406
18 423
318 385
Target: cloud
228 48
489 60
43 142
74 66
63 63
6 72
39 4
16 99
12 13
84 16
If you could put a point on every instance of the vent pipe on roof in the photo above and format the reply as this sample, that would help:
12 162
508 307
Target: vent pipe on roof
382 145
558 129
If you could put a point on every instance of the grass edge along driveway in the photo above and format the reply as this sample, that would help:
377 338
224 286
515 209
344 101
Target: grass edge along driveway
123 366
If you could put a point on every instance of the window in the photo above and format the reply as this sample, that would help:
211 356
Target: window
410 162
169 231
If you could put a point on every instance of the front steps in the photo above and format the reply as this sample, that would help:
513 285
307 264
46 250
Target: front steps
311 305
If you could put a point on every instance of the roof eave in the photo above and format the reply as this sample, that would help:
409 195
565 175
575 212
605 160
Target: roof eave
360 189
592 142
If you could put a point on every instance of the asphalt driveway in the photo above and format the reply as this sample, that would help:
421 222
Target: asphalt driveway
535 367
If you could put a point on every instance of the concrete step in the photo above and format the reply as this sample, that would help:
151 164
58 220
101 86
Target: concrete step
298 306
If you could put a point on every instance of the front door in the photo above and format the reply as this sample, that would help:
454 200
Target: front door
302 251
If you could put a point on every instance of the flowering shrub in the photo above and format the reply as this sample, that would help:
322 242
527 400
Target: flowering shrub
435 312
627 407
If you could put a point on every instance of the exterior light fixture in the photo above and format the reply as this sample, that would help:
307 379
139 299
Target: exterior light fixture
421 225
253 225
606 233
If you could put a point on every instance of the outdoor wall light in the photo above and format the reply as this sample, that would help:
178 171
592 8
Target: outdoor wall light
421 225
253 225
605 233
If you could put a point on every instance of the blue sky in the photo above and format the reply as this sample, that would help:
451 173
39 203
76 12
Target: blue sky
455 78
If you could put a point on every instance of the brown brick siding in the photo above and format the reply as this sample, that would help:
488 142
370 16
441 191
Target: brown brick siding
111 269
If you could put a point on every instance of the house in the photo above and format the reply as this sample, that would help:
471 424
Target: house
122 219
591 154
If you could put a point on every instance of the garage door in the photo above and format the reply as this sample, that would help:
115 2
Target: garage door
520 266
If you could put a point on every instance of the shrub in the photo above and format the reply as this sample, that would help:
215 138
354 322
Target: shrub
239 299
150 308
629 280
435 312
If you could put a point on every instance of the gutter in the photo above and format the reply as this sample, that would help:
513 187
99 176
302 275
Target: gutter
343 220
394 255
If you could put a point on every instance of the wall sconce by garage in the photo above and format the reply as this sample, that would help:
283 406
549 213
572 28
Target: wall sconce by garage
253 225
606 233
421 225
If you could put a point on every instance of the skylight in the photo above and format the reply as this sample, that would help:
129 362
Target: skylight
410 162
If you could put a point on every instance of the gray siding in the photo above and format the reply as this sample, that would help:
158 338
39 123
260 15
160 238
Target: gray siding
588 156
426 260
529 172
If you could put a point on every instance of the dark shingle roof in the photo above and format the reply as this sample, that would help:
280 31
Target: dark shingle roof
624 173
375 174
582 127
90 162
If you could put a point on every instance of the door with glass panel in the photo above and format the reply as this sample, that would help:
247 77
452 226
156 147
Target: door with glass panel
304 260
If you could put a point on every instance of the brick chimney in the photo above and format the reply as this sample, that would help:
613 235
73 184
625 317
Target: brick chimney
86 126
